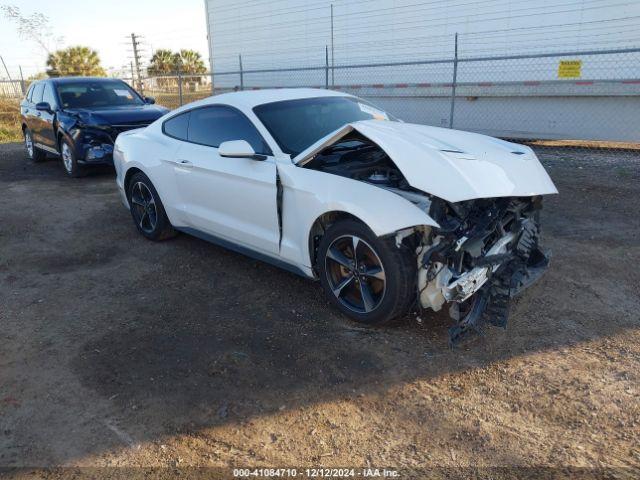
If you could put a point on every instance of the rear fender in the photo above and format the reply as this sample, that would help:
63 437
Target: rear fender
151 157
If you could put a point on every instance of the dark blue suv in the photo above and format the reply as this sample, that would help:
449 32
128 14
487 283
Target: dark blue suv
79 118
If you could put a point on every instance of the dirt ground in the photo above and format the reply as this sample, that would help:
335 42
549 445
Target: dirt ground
115 351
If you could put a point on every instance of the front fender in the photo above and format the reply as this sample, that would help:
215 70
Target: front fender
309 194
67 126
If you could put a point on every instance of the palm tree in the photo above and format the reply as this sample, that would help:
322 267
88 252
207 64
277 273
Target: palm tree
190 62
75 61
163 62
187 62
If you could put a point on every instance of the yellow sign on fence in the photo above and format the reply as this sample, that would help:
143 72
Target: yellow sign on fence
570 69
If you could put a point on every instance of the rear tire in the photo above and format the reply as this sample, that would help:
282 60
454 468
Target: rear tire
147 210
33 153
375 289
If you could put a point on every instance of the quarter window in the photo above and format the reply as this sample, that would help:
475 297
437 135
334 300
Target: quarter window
177 126
213 125
38 90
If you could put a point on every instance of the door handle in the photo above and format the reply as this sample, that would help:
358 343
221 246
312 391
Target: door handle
184 163
39 114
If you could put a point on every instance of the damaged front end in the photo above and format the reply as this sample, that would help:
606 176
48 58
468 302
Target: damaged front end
485 252
484 195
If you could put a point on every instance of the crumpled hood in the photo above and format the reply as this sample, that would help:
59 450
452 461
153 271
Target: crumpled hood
130 114
450 164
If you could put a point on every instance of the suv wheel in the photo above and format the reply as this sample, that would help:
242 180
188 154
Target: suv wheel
367 278
33 152
69 160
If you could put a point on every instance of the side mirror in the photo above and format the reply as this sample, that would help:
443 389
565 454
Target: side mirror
150 100
43 107
238 149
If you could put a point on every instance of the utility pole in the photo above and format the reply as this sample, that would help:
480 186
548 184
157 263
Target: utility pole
133 77
136 58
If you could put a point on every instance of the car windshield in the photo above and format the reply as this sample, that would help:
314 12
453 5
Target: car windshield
297 124
93 94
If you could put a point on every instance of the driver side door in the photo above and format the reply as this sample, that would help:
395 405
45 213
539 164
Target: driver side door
233 199
47 133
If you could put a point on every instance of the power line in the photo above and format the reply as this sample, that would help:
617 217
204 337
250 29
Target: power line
572 32
241 7
362 15
240 12
446 39
446 20
303 36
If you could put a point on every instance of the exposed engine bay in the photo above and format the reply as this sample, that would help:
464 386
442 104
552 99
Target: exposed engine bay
356 157
485 252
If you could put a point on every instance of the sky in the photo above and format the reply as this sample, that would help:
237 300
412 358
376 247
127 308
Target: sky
106 26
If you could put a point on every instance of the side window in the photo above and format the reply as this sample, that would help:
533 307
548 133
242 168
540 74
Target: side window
29 92
177 126
49 96
214 125
36 95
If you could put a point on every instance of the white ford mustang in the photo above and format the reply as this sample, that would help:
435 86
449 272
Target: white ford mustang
388 215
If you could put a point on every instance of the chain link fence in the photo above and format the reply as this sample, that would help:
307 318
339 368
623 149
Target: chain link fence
573 95
586 99
10 94
572 105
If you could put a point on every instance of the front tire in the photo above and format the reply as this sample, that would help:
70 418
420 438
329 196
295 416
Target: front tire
369 279
69 159
147 210
33 153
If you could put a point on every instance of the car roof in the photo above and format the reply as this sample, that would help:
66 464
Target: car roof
252 98
76 79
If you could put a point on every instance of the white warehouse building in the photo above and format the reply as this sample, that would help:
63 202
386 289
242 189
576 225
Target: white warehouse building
561 69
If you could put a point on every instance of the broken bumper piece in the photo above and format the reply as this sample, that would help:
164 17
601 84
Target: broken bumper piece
484 253
492 299
472 281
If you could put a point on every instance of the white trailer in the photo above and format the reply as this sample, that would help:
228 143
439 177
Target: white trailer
562 69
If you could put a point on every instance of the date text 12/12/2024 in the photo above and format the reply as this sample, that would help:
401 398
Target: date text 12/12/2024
367 472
